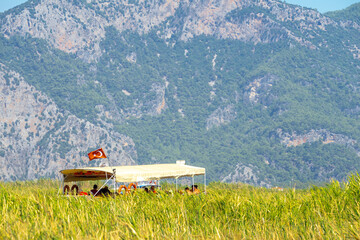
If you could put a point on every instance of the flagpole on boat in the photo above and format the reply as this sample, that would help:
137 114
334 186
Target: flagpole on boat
114 171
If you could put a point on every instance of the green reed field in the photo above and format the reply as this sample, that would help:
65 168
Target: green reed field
34 210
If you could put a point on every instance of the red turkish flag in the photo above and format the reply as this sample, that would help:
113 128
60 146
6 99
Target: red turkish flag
96 154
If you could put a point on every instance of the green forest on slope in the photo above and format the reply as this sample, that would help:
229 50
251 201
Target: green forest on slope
351 13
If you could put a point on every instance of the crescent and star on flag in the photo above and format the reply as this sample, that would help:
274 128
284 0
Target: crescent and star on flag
99 153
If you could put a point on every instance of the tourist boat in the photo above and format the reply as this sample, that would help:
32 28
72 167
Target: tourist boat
131 175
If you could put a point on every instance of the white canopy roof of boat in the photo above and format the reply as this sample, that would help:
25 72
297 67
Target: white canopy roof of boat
135 173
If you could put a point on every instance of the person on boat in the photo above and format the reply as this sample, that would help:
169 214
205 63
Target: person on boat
195 189
187 191
105 191
152 189
94 190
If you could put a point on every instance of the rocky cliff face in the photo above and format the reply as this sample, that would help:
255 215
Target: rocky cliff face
37 139
259 90
247 174
79 27
323 135
221 116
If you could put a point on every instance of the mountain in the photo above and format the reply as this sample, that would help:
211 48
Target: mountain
351 13
257 91
38 138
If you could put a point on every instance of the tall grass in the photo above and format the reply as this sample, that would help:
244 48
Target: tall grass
34 210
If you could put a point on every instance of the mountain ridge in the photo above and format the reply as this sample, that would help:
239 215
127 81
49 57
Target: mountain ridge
55 21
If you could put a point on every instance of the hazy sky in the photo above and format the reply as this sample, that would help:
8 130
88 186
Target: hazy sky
7 4
321 5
